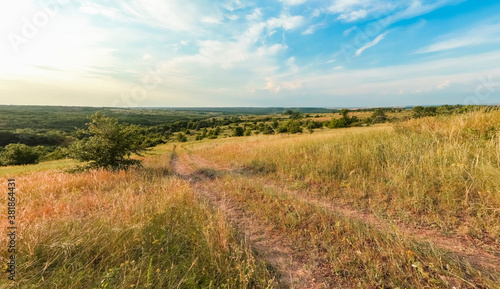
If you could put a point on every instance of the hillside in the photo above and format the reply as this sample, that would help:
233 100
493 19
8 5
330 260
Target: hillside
414 204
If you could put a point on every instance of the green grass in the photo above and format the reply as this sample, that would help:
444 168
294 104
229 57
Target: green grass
59 165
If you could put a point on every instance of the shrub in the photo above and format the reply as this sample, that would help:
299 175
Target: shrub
238 131
181 137
20 154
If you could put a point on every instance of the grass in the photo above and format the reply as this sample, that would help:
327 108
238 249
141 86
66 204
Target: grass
147 228
59 165
352 253
142 228
432 172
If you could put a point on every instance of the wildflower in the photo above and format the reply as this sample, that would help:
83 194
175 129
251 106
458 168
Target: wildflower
157 269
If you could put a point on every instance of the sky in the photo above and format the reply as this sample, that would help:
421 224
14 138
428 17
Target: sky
283 53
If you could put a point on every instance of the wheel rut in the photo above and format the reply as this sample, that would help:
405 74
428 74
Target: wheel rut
293 267
459 246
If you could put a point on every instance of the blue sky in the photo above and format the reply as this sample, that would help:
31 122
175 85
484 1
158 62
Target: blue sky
336 53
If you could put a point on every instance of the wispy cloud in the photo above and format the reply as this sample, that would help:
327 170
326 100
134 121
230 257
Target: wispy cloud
444 85
370 44
293 2
481 34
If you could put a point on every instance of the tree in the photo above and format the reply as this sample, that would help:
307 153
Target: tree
16 154
378 116
109 144
181 137
238 131
418 111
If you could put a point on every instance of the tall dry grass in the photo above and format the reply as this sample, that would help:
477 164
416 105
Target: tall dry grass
143 228
441 172
350 253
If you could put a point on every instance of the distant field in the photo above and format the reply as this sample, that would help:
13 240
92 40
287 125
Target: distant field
67 118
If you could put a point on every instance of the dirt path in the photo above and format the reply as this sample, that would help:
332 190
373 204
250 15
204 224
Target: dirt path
460 246
292 266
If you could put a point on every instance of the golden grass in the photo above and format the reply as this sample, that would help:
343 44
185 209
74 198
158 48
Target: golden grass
142 228
351 253
440 172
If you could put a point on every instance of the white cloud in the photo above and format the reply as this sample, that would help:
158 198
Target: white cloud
481 34
353 10
293 2
444 85
176 15
286 21
96 9
414 9
419 78
276 86
353 15
370 44
211 20
312 28
385 11
255 16
147 57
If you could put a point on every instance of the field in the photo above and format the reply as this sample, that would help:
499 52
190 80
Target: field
412 204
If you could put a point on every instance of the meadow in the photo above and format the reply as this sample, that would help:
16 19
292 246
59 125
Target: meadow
413 204
144 228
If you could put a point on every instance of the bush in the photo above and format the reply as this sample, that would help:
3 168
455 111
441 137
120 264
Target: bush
378 116
57 154
109 145
181 137
20 154
238 131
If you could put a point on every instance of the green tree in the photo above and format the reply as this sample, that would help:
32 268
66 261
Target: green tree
418 111
181 137
378 116
109 144
16 154
238 131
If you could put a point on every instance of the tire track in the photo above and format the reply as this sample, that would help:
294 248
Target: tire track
462 248
292 266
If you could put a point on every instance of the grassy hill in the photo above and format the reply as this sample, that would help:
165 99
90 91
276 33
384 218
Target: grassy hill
414 204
